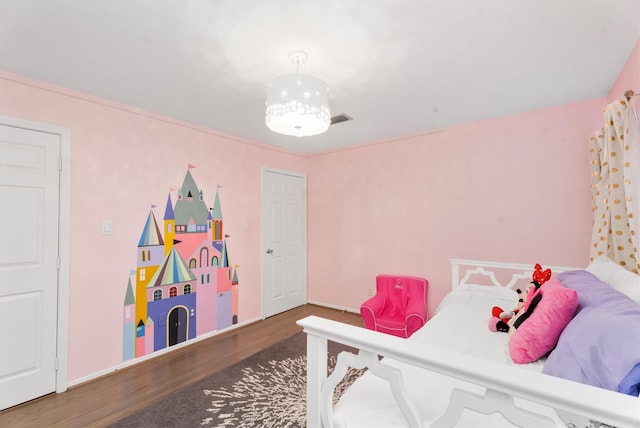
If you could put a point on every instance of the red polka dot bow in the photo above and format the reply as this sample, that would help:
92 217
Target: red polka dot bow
539 275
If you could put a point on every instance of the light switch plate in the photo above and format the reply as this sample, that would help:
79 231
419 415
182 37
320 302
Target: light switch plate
107 227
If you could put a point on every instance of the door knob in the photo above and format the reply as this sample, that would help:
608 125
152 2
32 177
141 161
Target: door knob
269 251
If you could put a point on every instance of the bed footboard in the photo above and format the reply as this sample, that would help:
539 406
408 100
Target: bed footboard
502 382
370 361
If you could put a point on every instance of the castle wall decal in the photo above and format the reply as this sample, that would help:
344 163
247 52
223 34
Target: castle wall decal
185 285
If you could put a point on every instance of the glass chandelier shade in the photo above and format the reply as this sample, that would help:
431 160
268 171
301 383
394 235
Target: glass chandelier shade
297 104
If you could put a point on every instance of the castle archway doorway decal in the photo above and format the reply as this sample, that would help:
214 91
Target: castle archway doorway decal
177 325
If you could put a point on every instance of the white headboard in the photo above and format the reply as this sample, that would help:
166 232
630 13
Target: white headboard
464 271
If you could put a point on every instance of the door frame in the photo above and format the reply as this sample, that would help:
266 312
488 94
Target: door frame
263 244
64 237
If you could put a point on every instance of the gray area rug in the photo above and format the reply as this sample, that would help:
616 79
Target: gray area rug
267 389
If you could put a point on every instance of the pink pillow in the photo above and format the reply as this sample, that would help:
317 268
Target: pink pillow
539 334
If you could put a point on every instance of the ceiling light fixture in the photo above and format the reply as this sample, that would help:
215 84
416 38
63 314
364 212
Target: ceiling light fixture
297 104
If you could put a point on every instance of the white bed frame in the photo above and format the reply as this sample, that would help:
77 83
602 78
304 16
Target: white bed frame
578 405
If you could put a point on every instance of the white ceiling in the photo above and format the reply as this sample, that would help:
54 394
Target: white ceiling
398 67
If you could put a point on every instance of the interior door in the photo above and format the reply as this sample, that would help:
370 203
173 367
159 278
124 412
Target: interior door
284 225
29 228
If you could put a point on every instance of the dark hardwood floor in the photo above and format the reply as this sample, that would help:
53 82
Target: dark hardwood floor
110 398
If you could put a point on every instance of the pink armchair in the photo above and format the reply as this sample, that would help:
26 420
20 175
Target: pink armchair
399 306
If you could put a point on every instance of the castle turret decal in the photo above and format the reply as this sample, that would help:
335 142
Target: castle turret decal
128 324
150 255
150 233
216 222
190 213
169 226
173 270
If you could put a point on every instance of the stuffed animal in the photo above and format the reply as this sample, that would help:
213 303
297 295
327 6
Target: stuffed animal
534 296
504 321
500 318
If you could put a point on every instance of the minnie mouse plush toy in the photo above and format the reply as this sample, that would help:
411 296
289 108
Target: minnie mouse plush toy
509 321
500 318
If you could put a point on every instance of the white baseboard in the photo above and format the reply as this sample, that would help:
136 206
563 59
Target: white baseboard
328 305
135 361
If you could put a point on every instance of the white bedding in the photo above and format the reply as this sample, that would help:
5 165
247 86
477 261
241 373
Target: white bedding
460 324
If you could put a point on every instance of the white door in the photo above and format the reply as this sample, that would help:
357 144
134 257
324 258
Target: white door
284 225
29 228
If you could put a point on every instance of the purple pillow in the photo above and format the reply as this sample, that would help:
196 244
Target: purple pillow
601 345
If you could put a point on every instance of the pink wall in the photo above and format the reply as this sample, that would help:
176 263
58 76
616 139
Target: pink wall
513 189
124 160
629 77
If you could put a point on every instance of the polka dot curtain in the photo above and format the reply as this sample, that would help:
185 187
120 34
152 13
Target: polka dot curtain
615 188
